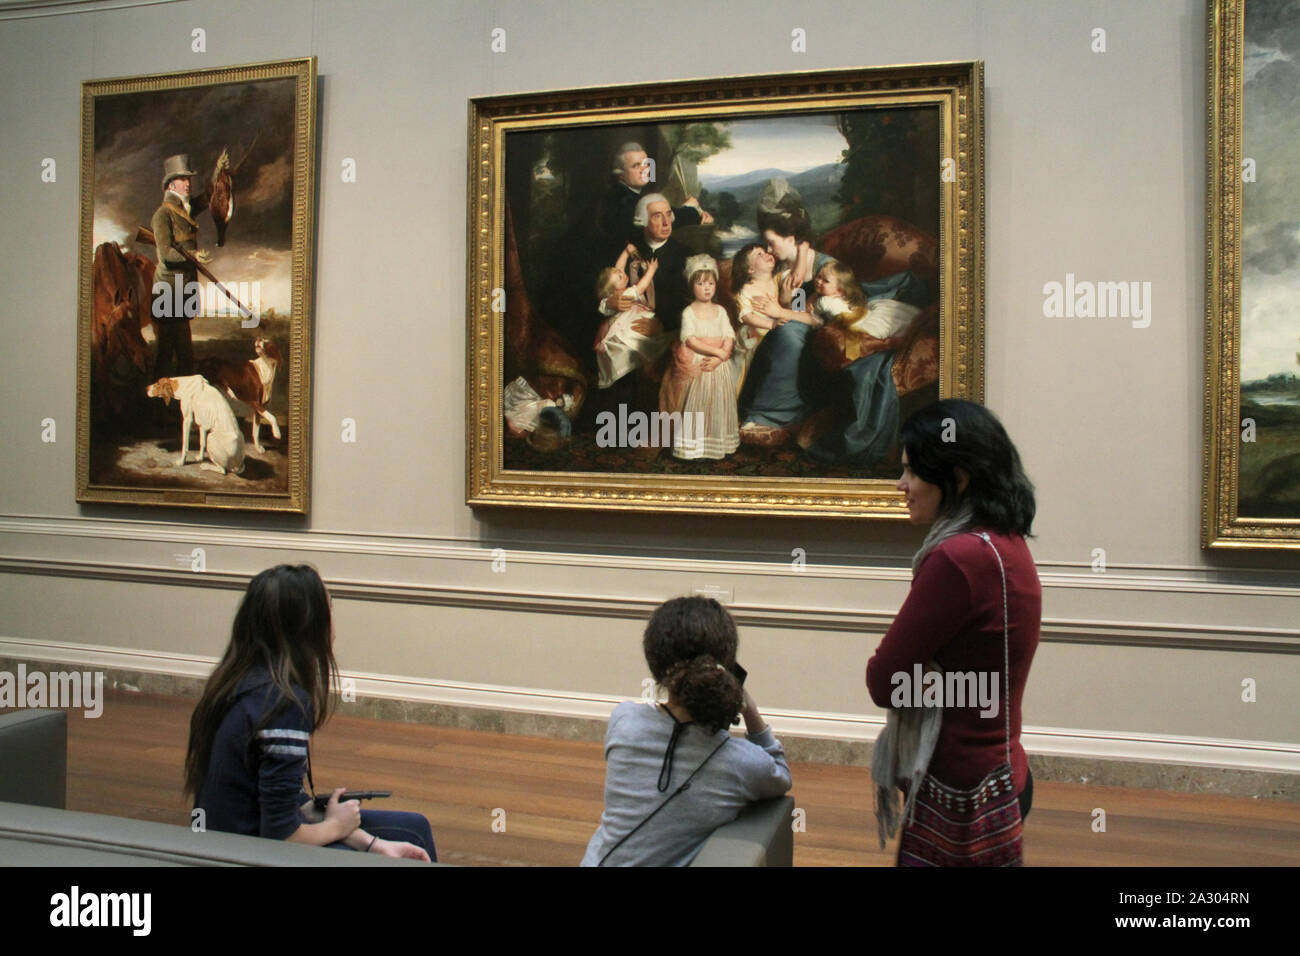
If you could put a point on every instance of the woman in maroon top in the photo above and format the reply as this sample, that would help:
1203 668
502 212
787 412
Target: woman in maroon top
962 474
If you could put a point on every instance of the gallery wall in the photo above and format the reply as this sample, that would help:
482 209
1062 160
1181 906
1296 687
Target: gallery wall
1095 167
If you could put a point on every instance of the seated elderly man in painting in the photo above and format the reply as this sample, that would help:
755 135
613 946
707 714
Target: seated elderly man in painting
650 310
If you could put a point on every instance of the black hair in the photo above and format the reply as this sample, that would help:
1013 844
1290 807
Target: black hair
954 434
284 627
690 645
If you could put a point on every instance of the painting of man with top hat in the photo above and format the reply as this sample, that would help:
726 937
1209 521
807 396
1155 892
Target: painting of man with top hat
195 263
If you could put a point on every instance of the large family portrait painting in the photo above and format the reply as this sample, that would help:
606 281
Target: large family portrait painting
730 308
195 288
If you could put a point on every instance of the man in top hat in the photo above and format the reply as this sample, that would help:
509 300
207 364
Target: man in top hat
174 228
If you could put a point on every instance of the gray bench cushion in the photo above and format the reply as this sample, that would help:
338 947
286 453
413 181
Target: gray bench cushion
34 757
39 836
760 836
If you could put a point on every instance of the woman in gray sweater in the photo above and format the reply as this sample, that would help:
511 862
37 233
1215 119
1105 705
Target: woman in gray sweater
652 750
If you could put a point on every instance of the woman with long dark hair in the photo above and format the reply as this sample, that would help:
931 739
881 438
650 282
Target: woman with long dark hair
953 666
652 751
249 735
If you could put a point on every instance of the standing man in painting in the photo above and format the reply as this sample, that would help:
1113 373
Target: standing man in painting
632 174
174 228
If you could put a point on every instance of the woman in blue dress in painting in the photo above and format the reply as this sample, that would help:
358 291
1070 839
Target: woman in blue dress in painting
780 387
785 384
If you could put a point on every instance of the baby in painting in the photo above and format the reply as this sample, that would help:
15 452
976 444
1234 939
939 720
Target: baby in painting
840 300
619 346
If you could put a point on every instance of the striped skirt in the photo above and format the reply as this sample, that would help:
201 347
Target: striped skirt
976 827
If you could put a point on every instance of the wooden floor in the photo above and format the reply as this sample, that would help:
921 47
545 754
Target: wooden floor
547 796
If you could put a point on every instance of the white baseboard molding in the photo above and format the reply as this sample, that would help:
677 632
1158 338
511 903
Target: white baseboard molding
1246 755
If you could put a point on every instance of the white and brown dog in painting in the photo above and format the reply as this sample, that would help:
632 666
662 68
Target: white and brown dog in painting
249 382
220 439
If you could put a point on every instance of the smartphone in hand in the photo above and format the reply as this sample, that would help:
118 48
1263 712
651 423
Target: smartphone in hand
321 802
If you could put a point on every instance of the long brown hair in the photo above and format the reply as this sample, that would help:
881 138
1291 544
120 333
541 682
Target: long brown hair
283 626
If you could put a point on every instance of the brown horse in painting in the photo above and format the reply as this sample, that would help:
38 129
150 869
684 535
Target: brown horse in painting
122 284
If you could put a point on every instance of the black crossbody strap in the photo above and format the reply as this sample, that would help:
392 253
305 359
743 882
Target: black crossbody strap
684 787
666 771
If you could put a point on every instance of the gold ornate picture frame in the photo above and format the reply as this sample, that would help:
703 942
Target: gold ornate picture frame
1251 471
194 330
575 195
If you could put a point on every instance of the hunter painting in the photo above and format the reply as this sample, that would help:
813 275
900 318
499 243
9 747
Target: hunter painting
195 288
721 296
1251 495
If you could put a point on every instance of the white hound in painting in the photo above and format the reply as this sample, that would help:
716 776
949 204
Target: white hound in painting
219 436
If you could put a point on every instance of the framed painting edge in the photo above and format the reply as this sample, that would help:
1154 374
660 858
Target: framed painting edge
297 497
1222 527
957 86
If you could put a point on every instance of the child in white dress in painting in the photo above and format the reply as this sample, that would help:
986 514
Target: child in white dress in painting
700 384
840 300
619 346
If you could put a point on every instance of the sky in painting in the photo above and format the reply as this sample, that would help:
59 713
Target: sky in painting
1270 302
790 143
254 121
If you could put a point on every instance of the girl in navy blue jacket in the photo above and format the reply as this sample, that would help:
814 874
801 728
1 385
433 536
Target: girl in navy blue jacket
249 736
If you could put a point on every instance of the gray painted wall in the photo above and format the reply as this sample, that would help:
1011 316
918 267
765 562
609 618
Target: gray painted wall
1095 166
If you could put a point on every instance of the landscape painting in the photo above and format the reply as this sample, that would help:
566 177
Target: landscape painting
195 279
724 307
1252 496
1269 480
